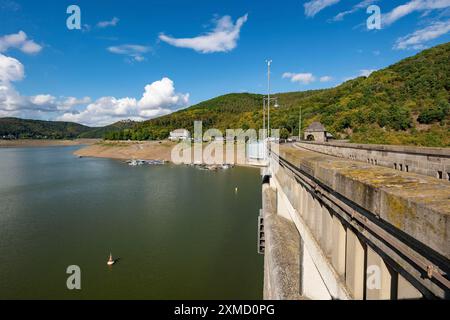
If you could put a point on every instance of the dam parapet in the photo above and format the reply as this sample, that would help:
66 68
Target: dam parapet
433 162
364 231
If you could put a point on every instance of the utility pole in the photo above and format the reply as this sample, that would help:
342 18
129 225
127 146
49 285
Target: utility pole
300 124
269 62
264 119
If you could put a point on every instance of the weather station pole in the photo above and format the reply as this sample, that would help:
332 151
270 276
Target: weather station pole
264 119
300 125
269 62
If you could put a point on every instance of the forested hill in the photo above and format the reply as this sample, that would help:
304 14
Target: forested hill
37 129
406 103
15 128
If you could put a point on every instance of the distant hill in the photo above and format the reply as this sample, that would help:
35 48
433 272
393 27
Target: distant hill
406 103
37 129
100 132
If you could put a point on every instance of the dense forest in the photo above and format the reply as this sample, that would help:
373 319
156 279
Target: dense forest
15 128
406 103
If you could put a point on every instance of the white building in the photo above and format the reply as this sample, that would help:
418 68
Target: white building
256 151
179 135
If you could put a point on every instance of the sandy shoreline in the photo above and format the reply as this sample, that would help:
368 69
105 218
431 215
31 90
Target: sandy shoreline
118 150
142 150
25 143
126 150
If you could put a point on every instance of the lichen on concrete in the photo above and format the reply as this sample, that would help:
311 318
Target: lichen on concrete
418 205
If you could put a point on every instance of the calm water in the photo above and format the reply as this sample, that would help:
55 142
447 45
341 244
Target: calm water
181 233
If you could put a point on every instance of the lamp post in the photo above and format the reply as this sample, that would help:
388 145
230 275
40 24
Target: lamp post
300 125
266 104
268 100
269 62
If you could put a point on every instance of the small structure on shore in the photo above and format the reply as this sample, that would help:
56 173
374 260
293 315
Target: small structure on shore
179 135
317 132
136 162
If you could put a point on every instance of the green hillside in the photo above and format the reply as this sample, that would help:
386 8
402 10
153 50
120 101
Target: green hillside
37 129
406 103
15 128
101 131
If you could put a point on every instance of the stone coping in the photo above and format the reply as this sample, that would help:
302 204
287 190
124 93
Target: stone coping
415 204
425 151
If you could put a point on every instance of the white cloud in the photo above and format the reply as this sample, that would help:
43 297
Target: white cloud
326 79
111 23
43 99
305 78
366 72
413 6
361 5
12 103
47 102
417 39
10 69
222 38
10 99
313 7
135 51
86 28
161 93
362 73
9 5
19 41
159 98
71 102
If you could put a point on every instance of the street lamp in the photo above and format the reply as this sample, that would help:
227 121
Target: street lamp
267 101
300 125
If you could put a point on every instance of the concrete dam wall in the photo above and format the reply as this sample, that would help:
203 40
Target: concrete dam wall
433 162
342 229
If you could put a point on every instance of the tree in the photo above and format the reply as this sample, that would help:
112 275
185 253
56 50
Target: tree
284 133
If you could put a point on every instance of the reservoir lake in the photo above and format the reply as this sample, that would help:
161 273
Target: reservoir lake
179 232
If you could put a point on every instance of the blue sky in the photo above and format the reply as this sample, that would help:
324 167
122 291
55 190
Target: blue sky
140 59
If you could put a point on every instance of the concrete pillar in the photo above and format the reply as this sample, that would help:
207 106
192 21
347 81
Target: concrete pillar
304 198
282 209
313 286
317 220
298 198
379 278
305 205
354 266
339 246
310 211
406 290
327 232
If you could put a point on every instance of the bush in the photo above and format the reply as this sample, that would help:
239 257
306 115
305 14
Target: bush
434 114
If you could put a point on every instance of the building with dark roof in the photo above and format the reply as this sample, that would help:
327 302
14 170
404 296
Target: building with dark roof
316 132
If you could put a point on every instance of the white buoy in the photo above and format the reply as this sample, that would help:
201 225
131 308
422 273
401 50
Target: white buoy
110 261
236 190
